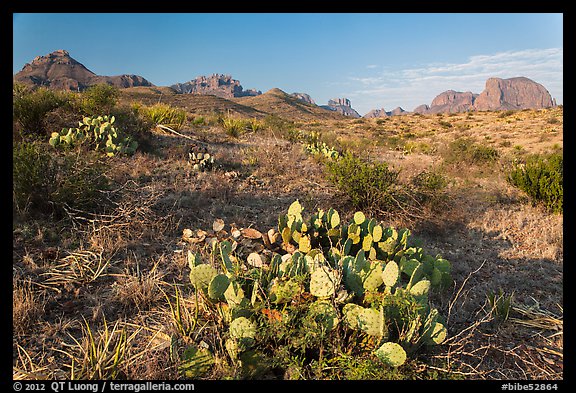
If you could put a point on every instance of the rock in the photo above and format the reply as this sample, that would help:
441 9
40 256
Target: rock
421 109
303 97
398 112
342 106
376 113
514 93
452 101
219 85
58 70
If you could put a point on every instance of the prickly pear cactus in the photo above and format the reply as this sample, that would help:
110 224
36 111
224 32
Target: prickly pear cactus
243 331
391 274
421 288
283 291
351 312
201 275
437 334
373 279
218 286
391 354
371 321
195 362
323 282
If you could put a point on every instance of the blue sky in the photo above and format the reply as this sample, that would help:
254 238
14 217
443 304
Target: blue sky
375 60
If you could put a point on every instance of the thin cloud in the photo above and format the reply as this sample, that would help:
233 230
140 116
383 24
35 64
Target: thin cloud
409 88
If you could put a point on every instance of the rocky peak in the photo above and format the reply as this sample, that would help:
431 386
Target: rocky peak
303 97
342 106
216 84
376 113
513 93
58 70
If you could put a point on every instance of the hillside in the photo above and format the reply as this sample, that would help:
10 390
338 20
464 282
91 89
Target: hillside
276 101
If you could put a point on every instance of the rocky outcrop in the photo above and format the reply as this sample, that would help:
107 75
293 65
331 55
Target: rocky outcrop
421 109
303 97
217 84
342 106
499 94
376 113
453 101
513 93
398 112
58 70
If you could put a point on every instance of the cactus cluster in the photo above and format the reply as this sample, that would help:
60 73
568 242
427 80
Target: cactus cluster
347 275
98 131
317 148
200 161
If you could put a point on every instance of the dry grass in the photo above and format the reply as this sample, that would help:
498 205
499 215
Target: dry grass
110 290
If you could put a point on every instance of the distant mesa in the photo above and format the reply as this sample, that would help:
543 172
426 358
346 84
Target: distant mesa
499 94
453 101
303 97
219 85
58 70
342 106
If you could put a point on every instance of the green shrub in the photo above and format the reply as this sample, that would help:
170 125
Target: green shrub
466 151
541 177
97 99
33 175
44 182
429 188
164 114
368 185
31 106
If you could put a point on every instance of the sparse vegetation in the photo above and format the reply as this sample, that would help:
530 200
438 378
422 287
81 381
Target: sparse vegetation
541 177
142 266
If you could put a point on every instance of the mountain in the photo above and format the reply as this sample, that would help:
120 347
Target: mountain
219 85
342 106
58 70
303 97
499 94
513 93
376 113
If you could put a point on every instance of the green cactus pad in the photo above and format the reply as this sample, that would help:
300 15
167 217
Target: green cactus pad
353 283
373 279
367 243
242 328
304 244
234 295
218 286
201 275
351 314
359 218
334 218
421 288
295 209
407 266
443 265
391 274
377 233
371 321
195 362
437 335
391 354
323 282
416 276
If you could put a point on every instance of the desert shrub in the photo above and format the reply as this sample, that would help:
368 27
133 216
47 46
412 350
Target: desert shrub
33 175
164 114
234 127
541 177
98 99
368 185
133 123
445 124
31 106
465 150
44 182
429 188
505 114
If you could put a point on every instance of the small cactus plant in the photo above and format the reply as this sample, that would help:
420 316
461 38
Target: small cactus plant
391 354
